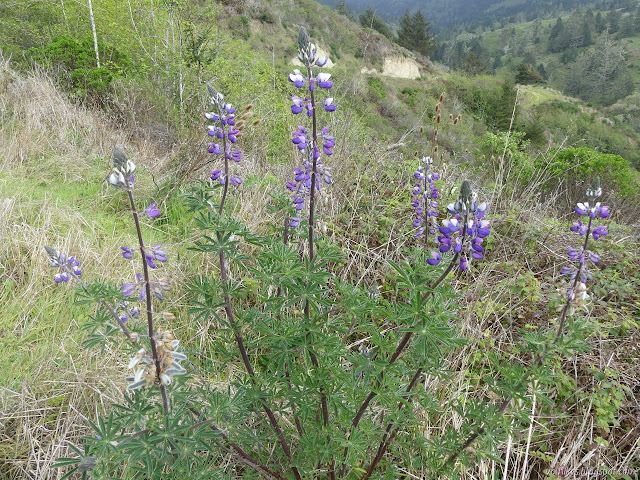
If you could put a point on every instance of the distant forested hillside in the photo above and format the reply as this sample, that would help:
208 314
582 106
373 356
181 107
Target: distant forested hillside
446 14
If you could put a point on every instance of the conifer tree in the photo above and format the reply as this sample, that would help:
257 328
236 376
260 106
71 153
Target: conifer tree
370 19
415 33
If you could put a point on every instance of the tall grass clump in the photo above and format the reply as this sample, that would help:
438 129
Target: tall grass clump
309 374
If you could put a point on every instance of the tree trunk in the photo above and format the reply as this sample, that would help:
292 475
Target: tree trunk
95 35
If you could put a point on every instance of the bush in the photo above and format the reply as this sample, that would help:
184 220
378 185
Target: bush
583 163
75 62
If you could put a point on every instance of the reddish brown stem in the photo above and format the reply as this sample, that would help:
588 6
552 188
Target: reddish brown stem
147 286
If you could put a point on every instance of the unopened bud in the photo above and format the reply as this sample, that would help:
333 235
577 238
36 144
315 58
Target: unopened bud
594 190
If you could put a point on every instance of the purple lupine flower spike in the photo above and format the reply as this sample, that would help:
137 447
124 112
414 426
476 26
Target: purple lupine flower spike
224 127
579 270
303 139
69 265
425 203
465 232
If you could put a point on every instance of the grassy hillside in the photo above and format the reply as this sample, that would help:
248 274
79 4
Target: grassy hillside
57 132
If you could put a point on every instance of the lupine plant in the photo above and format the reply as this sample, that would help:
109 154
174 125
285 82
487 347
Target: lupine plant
322 379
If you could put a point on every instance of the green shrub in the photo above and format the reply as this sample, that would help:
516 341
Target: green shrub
584 163
75 62
376 89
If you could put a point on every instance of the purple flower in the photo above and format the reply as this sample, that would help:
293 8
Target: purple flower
463 264
298 105
578 227
323 80
295 221
322 61
599 231
329 142
215 175
231 135
152 211
581 208
235 181
127 252
594 211
434 259
329 106
299 138
154 254
214 148
61 277
465 232
74 265
297 78
130 289
483 228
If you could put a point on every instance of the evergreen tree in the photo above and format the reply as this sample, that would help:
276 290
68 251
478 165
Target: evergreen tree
341 8
370 19
599 23
600 74
542 71
415 33
527 74
504 108
557 37
613 20
587 36
474 65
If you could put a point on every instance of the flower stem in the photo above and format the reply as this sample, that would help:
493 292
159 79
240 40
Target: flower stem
312 204
147 286
567 305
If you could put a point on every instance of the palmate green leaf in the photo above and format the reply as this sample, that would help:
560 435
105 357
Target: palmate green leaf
201 196
109 336
410 279
134 412
329 251
95 292
107 432
206 301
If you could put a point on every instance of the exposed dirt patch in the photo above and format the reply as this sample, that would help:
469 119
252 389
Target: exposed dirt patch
396 67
